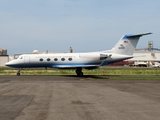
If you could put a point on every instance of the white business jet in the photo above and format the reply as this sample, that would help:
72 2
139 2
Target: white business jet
121 51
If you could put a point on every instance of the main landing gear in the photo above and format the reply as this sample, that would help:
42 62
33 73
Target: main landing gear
79 72
18 73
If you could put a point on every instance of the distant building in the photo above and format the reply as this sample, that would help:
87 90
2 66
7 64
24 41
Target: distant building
3 57
70 50
3 52
146 56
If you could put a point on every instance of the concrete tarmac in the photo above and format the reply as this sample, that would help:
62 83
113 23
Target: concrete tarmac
74 98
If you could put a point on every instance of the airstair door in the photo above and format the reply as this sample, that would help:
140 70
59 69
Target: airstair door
26 61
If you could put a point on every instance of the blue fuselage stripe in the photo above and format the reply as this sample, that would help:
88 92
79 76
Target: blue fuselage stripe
30 65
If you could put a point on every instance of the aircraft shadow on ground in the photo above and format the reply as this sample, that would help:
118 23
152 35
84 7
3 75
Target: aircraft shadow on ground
89 76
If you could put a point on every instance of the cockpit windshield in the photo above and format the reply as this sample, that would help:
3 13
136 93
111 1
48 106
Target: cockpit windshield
20 57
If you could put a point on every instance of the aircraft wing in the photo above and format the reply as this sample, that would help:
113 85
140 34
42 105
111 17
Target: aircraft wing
75 66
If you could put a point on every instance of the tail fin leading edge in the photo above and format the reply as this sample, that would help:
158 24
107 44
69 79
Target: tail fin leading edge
127 44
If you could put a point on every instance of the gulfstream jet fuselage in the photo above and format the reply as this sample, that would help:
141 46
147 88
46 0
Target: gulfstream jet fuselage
121 51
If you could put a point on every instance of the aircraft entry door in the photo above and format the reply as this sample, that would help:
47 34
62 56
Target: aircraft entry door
26 61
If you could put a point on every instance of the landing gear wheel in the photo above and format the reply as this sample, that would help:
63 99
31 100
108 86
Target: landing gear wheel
79 72
18 74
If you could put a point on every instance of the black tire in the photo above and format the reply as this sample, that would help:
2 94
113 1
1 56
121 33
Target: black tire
80 74
18 74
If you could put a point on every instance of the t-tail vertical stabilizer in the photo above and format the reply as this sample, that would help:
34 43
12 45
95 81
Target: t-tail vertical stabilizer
127 44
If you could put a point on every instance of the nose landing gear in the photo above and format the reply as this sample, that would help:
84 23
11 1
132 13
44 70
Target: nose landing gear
18 73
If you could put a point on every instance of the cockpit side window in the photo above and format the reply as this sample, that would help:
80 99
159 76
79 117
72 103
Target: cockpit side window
20 57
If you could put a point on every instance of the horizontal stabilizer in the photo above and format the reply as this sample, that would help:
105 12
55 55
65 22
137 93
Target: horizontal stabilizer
135 36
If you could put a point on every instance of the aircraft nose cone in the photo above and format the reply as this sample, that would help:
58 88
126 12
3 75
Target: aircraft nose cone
7 64
10 64
13 64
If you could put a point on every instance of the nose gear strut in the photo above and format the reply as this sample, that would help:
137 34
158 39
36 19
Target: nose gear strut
18 73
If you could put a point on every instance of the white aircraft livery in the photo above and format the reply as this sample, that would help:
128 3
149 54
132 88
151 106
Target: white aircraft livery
121 51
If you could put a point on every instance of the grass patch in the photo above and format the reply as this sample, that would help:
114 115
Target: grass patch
100 71
123 72
107 73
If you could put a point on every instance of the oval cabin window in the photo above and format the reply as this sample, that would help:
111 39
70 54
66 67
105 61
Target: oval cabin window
48 59
55 59
70 59
41 59
63 59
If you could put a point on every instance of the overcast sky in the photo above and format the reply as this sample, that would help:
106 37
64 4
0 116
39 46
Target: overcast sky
84 25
